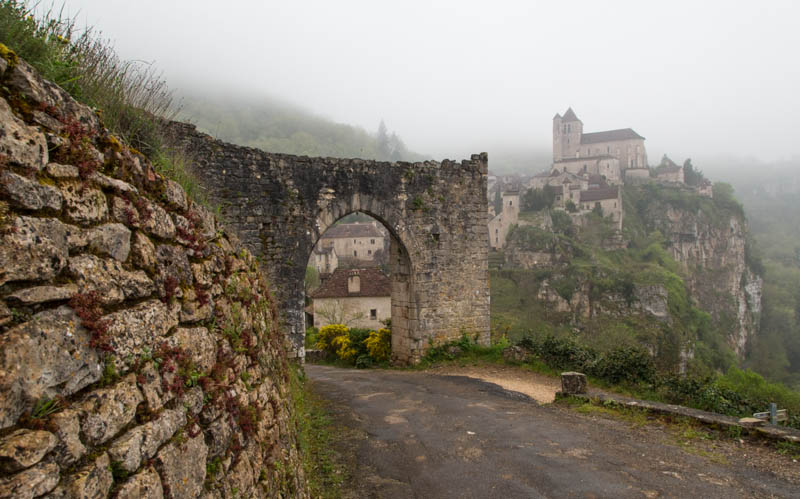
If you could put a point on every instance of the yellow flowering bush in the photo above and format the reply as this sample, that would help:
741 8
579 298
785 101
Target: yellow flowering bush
379 344
327 335
345 349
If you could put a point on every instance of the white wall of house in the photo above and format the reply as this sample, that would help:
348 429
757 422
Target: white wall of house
361 311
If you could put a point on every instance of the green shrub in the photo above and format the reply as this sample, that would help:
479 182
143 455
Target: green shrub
625 365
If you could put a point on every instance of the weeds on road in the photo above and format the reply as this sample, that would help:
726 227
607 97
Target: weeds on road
316 435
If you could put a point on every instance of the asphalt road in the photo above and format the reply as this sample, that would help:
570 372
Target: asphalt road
421 435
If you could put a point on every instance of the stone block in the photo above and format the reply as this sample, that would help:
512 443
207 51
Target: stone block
112 282
33 482
200 345
172 261
67 428
29 194
24 448
183 467
516 354
175 195
60 171
109 410
143 252
112 240
83 205
22 144
93 481
159 223
145 484
150 383
44 294
573 383
138 329
44 357
34 249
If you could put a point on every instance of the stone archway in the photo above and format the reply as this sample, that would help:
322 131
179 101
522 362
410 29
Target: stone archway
280 205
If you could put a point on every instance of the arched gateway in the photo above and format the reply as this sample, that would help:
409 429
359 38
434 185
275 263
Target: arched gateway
436 213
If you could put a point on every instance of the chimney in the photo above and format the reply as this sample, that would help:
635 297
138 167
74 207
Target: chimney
353 282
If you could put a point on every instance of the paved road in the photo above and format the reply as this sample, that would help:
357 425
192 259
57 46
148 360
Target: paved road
420 435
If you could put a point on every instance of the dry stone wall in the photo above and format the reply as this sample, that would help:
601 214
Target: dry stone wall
139 349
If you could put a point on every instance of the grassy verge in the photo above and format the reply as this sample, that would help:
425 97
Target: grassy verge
131 97
316 436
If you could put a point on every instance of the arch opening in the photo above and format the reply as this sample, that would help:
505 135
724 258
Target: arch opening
359 274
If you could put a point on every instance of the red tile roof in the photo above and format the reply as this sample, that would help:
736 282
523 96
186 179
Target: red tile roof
373 283
600 194
609 136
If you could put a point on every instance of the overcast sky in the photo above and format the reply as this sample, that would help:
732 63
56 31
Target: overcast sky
696 78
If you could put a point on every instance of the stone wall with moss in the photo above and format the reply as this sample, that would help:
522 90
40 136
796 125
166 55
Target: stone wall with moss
140 354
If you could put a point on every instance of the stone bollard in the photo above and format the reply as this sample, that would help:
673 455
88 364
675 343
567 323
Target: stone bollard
573 383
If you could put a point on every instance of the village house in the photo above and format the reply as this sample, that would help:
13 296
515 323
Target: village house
669 171
606 200
354 297
361 241
324 259
501 224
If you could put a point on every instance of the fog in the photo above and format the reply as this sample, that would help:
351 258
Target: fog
697 79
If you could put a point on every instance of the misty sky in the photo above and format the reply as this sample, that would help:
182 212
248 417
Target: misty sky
696 78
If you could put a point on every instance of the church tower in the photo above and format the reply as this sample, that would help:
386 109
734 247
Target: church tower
567 131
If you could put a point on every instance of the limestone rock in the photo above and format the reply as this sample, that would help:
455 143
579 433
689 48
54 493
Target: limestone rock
44 357
67 428
60 171
184 467
220 433
112 240
124 212
514 353
29 194
192 310
208 224
114 184
172 261
94 481
109 279
21 144
24 448
137 329
108 410
146 483
35 249
30 483
24 80
144 252
159 223
175 195
5 314
142 442
84 205
193 400
200 345
150 384
43 294
573 383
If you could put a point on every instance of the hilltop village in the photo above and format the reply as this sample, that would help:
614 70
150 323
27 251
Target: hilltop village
586 176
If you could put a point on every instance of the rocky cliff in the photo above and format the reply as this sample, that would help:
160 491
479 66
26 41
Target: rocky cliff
680 283
139 349
710 240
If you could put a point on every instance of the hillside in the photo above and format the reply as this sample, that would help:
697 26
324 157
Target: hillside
679 284
280 127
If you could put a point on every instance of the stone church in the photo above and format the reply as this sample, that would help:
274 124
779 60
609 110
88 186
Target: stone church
609 153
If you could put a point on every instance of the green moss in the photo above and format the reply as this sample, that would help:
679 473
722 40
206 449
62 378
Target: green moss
9 55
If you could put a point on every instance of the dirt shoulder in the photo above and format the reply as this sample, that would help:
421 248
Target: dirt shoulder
539 387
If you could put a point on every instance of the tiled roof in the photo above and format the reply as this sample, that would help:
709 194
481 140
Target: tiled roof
373 282
600 194
609 136
352 230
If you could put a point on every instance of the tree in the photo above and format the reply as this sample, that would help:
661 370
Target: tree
384 149
538 199
312 279
690 175
339 312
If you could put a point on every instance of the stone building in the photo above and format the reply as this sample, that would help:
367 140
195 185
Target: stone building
596 148
355 297
669 171
325 260
607 199
502 222
360 241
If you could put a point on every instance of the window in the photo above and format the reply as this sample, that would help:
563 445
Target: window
608 149
355 253
510 203
354 241
369 252
373 314
372 241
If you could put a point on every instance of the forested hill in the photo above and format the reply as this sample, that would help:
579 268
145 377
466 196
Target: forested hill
276 126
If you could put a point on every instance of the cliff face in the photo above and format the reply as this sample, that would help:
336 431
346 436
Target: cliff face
711 247
139 349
